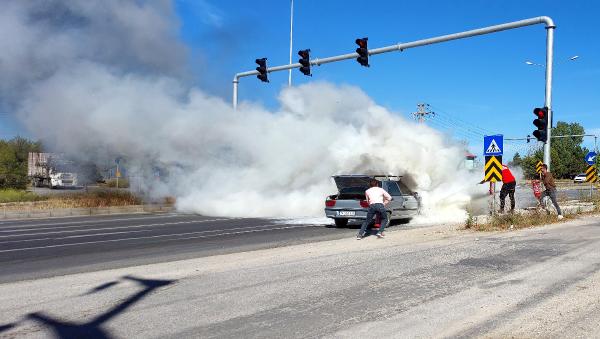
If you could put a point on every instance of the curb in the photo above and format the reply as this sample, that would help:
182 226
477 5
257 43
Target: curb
73 212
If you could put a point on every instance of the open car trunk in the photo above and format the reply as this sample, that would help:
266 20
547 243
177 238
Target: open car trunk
352 186
347 181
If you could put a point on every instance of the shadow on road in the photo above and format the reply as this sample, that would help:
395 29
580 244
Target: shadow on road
93 329
6 327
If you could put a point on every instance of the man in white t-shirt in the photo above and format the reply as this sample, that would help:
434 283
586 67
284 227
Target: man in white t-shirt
377 198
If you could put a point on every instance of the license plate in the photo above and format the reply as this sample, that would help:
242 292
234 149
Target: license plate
346 213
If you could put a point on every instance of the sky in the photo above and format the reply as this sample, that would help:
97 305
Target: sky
476 86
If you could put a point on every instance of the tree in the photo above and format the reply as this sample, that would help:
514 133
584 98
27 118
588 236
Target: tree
516 161
13 161
566 153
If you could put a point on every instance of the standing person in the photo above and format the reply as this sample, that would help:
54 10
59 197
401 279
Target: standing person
377 198
550 187
508 188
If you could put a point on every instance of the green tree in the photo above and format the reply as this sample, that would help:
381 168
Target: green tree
566 153
13 161
530 161
516 161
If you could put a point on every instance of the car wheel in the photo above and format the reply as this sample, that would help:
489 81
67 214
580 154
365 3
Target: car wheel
341 222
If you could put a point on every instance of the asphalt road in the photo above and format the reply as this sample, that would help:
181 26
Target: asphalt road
47 247
432 282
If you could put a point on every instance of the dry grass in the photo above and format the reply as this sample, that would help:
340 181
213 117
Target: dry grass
515 221
123 183
80 200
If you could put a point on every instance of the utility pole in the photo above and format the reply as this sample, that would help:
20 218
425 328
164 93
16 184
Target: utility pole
291 30
422 112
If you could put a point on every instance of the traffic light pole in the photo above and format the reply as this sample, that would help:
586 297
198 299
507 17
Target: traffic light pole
548 97
435 40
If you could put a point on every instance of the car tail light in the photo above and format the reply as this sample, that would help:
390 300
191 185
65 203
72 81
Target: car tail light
329 203
364 203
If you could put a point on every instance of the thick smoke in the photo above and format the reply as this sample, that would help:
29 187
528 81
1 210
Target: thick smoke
90 86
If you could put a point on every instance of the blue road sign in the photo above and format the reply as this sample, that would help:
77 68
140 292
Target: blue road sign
493 144
590 158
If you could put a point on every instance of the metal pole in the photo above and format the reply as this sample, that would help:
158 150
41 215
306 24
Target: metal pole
596 150
401 47
236 81
548 100
291 35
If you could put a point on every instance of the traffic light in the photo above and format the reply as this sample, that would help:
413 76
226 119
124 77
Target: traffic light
262 69
305 61
363 52
541 123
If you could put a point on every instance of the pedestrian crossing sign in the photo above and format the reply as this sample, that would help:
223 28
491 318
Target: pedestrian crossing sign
493 145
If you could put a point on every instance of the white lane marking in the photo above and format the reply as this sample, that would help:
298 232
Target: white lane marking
111 228
112 233
97 221
159 236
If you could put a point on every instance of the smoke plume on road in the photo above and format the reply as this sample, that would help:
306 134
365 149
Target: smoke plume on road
99 99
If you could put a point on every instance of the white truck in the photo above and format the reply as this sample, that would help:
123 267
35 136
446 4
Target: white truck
50 170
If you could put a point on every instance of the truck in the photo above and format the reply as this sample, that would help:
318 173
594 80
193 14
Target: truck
349 203
50 170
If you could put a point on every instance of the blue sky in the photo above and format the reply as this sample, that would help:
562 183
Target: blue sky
478 85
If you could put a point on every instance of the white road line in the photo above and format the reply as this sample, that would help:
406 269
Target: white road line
157 236
4 226
109 228
112 233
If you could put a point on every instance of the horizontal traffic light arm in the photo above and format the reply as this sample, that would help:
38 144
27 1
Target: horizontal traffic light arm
556 136
402 46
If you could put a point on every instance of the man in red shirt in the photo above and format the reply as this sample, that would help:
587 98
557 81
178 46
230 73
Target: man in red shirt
508 188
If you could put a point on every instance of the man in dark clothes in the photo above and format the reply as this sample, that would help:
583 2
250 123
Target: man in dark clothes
550 191
508 188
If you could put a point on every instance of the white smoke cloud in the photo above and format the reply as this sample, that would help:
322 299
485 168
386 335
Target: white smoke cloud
250 162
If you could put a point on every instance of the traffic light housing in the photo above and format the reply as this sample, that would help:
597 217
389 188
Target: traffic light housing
262 69
304 61
541 123
363 52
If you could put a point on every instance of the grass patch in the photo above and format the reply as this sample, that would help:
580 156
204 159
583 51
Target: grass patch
13 195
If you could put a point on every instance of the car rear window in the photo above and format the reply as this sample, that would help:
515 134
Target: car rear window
393 188
404 188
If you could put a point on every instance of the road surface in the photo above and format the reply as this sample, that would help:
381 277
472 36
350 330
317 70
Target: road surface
56 246
427 282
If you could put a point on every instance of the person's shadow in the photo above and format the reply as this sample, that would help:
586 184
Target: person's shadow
93 329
